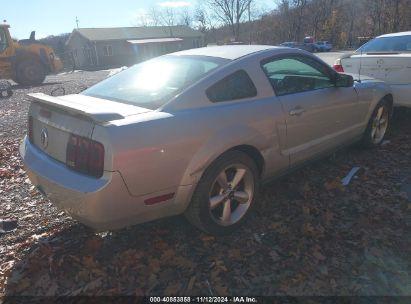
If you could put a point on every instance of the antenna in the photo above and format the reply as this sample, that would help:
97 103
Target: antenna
77 21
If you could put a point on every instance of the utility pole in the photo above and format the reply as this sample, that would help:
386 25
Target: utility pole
77 21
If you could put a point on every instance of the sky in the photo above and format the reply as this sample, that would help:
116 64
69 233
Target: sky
51 17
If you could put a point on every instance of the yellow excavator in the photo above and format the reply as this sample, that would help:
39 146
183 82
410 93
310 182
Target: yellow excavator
27 62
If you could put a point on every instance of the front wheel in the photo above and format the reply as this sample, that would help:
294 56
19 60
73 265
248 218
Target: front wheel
377 125
30 72
225 195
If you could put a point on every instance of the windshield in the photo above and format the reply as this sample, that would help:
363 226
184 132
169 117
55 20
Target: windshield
153 83
387 44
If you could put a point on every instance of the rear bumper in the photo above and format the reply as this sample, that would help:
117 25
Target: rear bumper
104 203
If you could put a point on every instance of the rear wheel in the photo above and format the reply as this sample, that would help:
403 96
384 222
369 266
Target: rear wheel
30 72
378 125
225 195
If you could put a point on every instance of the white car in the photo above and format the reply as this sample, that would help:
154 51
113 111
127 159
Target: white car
388 58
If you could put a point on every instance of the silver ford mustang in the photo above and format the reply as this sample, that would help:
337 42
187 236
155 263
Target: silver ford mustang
195 132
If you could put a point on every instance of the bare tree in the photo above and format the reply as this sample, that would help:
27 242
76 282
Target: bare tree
186 17
155 16
201 17
300 6
230 12
339 21
167 16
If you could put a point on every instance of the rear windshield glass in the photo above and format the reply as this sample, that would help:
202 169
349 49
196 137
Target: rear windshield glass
387 44
152 83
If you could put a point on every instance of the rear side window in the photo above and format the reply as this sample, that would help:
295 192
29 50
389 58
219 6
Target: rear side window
235 86
387 44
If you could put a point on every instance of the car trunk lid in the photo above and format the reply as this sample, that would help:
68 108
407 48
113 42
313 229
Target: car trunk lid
52 120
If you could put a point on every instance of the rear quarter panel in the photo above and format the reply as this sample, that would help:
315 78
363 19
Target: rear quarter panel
370 92
169 150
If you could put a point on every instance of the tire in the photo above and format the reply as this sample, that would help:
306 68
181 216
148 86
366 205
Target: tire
217 208
378 125
30 72
5 89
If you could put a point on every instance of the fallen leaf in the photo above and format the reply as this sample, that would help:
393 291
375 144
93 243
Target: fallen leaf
93 245
221 290
206 238
154 265
173 288
306 210
190 285
319 256
328 216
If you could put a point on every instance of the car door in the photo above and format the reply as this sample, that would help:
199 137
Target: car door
319 115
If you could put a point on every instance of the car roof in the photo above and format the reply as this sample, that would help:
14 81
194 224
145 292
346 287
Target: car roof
395 34
230 52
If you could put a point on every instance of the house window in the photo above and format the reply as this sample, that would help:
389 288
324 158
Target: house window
107 50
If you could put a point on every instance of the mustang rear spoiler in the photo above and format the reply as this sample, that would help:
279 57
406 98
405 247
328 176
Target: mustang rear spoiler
98 110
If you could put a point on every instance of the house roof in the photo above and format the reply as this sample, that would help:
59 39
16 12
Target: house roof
155 40
133 33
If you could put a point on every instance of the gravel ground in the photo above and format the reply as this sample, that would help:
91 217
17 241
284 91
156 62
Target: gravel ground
310 236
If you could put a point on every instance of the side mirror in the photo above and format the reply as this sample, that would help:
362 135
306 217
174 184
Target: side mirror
343 80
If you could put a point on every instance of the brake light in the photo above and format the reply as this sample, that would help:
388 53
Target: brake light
30 128
85 155
338 68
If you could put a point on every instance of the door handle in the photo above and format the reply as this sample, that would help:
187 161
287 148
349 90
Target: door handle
297 111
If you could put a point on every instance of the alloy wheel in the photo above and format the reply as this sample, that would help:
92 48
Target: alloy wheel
231 194
379 125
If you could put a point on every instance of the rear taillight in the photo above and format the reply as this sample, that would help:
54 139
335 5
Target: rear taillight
85 155
338 66
30 128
